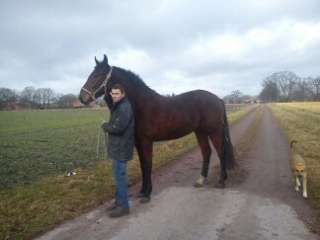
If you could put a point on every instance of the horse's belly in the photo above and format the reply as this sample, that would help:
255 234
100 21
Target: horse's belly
172 134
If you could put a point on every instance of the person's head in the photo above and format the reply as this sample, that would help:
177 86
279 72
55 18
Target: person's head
117 92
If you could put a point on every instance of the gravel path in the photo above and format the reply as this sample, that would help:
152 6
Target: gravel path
263 205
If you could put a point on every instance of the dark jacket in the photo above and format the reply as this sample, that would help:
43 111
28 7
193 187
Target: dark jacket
120 129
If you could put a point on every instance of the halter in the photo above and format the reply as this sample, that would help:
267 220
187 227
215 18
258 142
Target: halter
103 85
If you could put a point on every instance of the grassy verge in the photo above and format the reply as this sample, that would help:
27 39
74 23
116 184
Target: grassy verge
301 121
29 210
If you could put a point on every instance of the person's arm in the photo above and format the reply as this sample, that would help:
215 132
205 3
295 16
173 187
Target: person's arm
119 124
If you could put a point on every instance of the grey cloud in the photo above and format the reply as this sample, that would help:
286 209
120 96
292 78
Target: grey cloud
46 40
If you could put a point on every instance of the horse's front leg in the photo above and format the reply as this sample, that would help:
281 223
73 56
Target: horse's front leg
144 149
304 185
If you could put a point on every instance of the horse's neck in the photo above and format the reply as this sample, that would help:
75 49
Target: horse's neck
140 94
140 98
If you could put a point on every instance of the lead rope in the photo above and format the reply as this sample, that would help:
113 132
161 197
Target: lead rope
98 141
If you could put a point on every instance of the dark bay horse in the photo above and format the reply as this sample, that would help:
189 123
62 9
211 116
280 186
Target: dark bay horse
163 118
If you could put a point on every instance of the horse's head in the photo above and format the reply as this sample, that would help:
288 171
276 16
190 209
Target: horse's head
97 82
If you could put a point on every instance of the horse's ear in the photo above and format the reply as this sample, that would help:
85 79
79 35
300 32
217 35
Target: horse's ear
95 58
105 59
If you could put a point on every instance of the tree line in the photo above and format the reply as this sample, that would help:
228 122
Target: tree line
36 98
286 86
281 86
237 97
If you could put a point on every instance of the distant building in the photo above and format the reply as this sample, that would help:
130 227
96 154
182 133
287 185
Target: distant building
77 104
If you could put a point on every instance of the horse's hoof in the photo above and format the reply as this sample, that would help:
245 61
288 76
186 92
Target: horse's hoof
305 195
145 199
198 185
200 182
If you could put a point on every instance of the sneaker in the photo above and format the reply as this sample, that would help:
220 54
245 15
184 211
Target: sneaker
119 212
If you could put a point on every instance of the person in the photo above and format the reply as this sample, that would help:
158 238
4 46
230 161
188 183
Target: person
120 130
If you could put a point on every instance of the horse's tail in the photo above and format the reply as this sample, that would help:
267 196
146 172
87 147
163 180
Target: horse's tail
228 155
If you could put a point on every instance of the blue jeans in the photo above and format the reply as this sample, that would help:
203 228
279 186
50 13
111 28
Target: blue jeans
119 173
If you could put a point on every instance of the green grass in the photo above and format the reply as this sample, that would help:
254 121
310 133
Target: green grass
41 196
41 143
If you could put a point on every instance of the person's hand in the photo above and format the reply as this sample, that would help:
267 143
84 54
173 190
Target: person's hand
104 126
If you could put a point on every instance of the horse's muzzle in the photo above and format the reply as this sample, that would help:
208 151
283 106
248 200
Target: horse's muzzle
85 98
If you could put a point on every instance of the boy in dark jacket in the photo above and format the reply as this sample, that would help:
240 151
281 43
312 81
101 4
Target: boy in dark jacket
120 131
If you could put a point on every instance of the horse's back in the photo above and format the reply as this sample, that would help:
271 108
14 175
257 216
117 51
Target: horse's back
202 105
201 99
198 93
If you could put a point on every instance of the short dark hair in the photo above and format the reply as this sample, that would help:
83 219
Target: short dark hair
118 86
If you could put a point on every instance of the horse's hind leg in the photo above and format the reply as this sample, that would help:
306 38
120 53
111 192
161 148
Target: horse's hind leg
217 142
206 152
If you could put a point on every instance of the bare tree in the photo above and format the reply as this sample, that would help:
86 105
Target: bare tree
39 97
67 100
316 85
290 87
7 97
286 81
48 95
26 96
270 91
235 97
299 91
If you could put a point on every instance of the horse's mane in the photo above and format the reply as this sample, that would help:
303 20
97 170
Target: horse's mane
135 80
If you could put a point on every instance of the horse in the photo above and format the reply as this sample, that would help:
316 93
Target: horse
159 117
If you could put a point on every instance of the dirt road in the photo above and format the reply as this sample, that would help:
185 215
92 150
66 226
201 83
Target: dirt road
261 205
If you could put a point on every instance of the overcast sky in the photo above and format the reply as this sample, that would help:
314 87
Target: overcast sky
174 46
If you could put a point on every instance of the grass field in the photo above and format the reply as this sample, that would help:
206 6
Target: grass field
42 143
301 121
36 150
